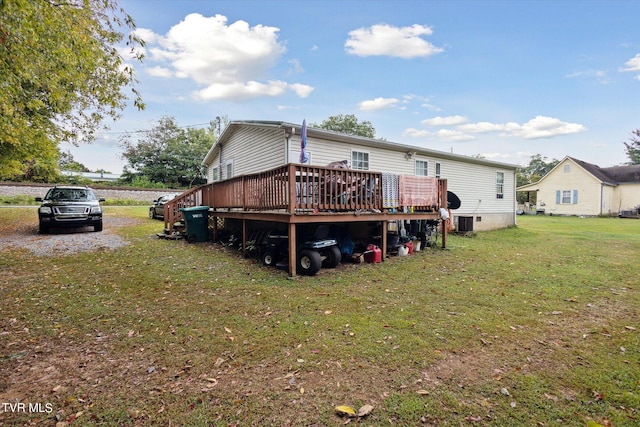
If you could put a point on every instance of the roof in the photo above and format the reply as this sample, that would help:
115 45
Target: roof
613 175
292 129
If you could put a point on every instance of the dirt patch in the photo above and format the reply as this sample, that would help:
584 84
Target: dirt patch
65 241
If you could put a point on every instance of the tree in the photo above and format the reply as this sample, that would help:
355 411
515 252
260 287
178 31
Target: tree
632 148
68 163
348 124
60 75
167 153
533 172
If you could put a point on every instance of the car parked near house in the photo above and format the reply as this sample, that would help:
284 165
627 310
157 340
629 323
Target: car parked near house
69 207
157 208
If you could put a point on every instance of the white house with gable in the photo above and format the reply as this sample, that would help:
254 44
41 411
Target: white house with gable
485 188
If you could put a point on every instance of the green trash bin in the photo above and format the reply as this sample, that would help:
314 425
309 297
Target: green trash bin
197 221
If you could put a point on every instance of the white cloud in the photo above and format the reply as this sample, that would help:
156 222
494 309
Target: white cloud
481 127
301 90
231 61
378 104
445 121
387 40
296 68
240 90
633 65
538 127
160 72
416 133
453 135
545 127
599 75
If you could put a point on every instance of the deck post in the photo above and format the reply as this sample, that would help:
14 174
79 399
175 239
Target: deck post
293 255
444 204
383 242
244 237
291 188
215 228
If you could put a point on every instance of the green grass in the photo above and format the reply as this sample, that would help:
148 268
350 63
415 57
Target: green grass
532 325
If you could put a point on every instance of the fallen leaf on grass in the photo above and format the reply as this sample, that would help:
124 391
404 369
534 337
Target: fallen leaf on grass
365 410
345 410
348 411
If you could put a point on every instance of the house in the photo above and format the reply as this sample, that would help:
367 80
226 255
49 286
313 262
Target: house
486 188
368 191
575 187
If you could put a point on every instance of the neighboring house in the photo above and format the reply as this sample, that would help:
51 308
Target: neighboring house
486 188
575 187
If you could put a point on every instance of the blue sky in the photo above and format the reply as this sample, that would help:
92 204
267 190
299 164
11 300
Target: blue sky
503 79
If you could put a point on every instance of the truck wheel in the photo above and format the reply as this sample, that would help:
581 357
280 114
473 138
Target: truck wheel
152 213
43 229
333 257
98 226
309 262
269 258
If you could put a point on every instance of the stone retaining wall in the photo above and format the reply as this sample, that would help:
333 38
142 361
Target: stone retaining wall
145 196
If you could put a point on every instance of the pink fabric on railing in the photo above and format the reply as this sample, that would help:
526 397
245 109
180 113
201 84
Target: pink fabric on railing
417 190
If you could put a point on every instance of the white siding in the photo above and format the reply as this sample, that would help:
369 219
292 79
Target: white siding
249 150
255 148
474 184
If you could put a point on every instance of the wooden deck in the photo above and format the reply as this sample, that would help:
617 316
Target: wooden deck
296 194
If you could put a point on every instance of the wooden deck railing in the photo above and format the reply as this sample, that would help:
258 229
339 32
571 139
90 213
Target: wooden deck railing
292 188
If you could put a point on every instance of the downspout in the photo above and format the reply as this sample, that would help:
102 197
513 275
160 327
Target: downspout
601 197
288 134
515 200
220 161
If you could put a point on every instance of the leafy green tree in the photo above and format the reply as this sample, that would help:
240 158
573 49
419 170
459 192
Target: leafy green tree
537 168
632 147
68 163
167 154
61 74
348 124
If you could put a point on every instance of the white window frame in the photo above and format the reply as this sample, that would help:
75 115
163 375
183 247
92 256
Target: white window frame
215 174
438 169
499 185
421 168
359 164
228 169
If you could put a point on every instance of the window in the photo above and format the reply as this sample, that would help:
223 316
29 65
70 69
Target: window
215 174
437 170
567 168
422 168
360 160
500 185
567 197
229 169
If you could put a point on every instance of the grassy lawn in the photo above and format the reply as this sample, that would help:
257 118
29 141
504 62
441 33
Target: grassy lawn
533 325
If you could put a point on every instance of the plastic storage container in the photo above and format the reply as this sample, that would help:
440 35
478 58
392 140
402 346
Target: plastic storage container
197 221
373 254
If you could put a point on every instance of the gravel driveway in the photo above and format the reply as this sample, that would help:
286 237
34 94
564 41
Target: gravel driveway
65 242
